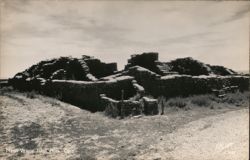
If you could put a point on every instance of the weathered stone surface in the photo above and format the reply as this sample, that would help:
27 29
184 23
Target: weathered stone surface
146 60
184 85
220 70
59 74
98 68
4 83
86 94
150 106
123 108
140 91
187 66
87 69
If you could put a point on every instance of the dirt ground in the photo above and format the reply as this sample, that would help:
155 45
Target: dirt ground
44 128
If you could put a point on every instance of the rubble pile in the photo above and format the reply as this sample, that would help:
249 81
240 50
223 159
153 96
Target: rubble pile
146 60
67 68
187 66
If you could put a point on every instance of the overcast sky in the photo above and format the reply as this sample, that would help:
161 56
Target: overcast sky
213 32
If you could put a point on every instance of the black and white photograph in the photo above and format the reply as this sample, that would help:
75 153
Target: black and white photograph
124 80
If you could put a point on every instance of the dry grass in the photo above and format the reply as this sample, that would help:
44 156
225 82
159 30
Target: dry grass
111 110
208 100
201 100
51 101
177 102
31 94
5 90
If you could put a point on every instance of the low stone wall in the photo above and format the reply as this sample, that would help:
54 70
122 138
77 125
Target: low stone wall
144 77
124 108
87 94
27 84
182 85
4 83
150 106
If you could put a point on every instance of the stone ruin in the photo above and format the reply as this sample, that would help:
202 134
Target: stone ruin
96 86
64 68
67 68
138 104
187 66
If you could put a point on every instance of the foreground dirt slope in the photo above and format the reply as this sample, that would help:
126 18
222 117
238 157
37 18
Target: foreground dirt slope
44 128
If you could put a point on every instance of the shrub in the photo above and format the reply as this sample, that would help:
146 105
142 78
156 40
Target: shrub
59 96
112 110
235 98
52 102
215 98
6 89
232 98
31 94
177 102
202 100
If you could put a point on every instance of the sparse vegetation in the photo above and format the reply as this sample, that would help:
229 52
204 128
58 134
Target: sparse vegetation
51 101
59 96
177 102
201 100
31 94
235 98
5 90
208 100
111 110
238 98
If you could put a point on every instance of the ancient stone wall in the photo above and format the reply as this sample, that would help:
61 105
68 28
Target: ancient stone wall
124 108
100 69
87 94
67 68
185 66
183 85
144 77
146 60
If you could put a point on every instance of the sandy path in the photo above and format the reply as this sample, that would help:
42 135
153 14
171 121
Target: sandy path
223 137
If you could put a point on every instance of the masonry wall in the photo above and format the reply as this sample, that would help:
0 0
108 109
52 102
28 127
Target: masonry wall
184 85
87 94
181 85
144 77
